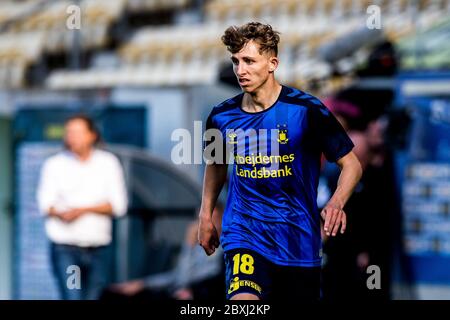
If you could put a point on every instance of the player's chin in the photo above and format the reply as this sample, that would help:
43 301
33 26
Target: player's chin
247 88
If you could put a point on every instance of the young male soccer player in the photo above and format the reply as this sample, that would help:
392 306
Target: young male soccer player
271 224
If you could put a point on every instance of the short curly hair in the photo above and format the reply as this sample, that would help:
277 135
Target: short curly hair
235 38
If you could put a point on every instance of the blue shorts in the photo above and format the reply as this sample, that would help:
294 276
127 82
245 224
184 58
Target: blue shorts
249 272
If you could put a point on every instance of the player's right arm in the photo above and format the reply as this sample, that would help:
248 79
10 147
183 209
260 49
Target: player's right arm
214 179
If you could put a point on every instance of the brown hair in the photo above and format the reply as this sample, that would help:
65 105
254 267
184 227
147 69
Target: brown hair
235 38
89 124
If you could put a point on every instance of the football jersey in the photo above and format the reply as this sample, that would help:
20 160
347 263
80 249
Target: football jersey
276 154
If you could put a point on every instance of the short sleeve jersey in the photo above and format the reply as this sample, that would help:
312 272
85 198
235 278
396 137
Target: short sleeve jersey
276 153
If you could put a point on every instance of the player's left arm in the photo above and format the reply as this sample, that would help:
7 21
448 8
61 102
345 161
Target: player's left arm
333 212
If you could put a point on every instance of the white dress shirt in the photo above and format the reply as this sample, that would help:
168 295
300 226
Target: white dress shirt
66 182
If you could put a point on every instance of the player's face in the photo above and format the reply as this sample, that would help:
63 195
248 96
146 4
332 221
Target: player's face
78 137
252 68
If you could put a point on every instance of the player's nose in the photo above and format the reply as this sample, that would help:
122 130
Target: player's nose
241 70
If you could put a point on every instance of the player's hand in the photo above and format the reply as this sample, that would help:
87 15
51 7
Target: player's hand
334 218
72 214
208 237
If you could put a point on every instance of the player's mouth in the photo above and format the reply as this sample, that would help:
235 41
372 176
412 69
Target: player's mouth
243 81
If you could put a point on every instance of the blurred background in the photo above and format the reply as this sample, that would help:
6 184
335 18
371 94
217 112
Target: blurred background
143 68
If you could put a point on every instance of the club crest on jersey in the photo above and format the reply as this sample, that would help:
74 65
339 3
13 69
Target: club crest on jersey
232 138
282 134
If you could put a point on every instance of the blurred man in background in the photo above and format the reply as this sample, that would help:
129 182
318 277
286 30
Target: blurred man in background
80 190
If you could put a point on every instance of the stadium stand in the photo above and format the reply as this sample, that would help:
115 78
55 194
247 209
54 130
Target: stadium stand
190 54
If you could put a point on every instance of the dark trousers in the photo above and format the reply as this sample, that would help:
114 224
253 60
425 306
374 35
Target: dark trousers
81 273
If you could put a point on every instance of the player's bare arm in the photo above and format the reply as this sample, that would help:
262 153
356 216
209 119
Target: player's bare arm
333 212
214 179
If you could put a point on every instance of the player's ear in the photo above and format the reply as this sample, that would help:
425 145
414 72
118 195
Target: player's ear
273 63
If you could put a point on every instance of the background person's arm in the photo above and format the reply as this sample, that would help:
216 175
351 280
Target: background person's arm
75 213
47 192
333 212
214 179
117 191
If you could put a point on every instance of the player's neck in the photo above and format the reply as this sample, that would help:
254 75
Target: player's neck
262 98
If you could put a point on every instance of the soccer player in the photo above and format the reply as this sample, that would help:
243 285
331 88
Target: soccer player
271 233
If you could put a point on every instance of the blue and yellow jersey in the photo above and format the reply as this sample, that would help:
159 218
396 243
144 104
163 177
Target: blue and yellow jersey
271 206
